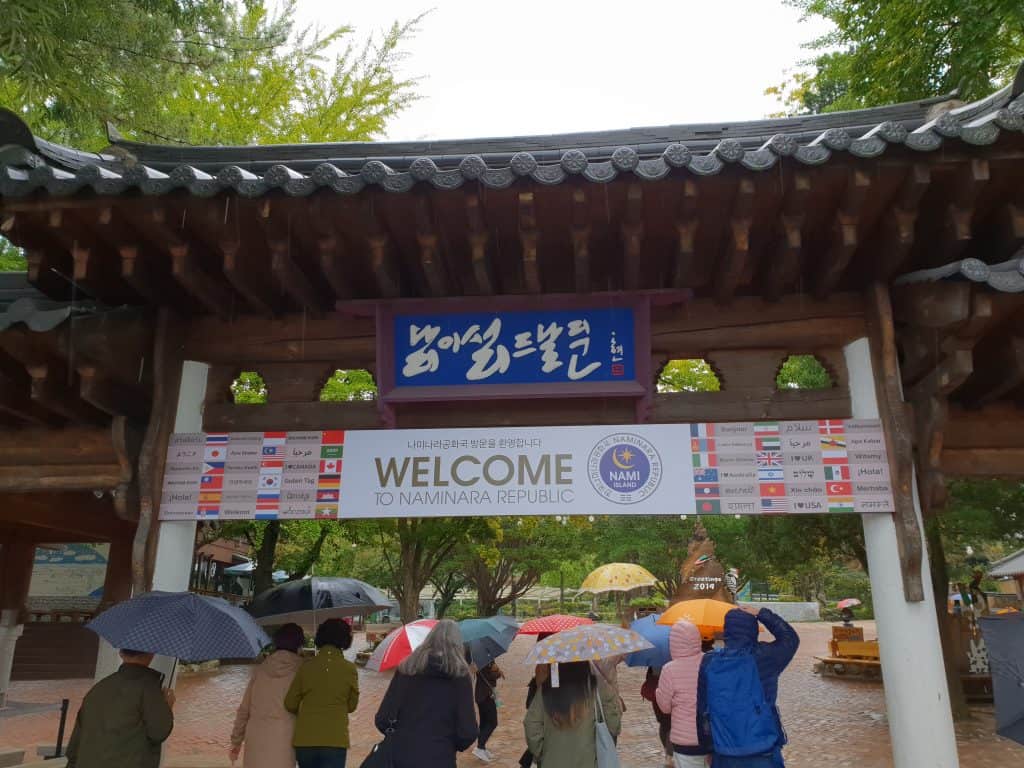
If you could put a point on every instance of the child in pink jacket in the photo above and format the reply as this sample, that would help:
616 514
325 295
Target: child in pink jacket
677 694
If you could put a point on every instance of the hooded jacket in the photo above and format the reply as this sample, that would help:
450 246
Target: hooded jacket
433 717
262 722
677 686
323 694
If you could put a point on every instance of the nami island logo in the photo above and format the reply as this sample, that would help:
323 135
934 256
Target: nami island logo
624 468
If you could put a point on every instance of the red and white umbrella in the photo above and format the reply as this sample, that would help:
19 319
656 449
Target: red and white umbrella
546 625
399 645
849 602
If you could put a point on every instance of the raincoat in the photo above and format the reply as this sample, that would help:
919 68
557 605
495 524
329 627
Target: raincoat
262 723
677 687
322 695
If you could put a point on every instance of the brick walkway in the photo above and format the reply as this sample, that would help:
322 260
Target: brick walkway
834 723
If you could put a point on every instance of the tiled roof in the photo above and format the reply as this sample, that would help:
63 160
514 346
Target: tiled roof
1009 566
1006 277
22 303
29 164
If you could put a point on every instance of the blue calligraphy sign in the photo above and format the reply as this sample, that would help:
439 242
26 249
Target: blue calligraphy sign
534 347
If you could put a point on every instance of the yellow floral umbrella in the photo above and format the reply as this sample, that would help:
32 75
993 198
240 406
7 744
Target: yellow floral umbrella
618 577
590 642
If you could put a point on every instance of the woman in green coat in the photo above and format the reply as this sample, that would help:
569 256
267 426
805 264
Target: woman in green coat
560 722
322 695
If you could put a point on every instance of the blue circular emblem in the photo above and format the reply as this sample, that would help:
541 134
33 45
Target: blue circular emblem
624 468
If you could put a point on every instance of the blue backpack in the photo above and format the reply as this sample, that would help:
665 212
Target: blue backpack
740 721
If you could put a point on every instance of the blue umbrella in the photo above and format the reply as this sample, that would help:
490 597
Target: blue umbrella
186 626
1004 638
655 633
487 639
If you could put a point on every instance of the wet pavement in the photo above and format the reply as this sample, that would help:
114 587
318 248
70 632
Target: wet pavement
834 723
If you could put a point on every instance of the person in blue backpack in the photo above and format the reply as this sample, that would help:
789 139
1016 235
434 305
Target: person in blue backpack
737 689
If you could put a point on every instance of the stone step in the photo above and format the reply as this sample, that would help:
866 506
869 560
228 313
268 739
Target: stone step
11 757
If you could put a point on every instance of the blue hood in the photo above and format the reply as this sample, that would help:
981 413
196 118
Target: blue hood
740 630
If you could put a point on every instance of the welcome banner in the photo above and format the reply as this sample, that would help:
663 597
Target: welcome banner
794 467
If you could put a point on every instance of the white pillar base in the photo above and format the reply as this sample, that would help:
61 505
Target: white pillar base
10 631
916 696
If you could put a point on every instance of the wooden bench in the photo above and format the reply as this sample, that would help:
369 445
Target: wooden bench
840 634
853 658
11 756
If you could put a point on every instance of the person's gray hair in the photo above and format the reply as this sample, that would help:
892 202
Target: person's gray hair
444 645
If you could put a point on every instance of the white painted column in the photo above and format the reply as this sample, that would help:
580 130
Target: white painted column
175 539
10 631
916 697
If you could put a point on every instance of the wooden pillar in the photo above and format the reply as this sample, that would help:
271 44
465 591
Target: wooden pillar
117 585
17 552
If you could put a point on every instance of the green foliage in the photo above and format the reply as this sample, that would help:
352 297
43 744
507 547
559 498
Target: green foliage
688 376
249 389
983 522
803 372
11 257
194 71
888 51
345 385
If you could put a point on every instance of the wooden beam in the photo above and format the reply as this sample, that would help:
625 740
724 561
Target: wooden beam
939 305
999 425
294 281
478 237
385 270
529 237
784 267
580 235
209 290
999 369
967 185
736 259
68 445
52 389
893 238
59 477
228 417
431 258
63 513
16 401
946 377
687 222
243 275
138 274
330 256
633 237
882 335
845 235
1007 463
111 396
930 415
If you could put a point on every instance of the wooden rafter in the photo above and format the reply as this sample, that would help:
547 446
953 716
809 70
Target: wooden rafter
736 257
529 236
478 239
580 233
845 233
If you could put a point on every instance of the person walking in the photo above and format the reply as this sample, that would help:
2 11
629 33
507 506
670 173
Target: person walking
649 692
540 674
561 721
428 707
677 695
738 687
486 697
124 719
323 694
262 723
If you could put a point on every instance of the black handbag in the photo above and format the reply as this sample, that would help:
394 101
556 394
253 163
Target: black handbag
383 753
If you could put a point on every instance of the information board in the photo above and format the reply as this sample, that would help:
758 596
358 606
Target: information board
759 468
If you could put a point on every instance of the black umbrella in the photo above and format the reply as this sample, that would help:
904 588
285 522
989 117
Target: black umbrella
1004 639
309 601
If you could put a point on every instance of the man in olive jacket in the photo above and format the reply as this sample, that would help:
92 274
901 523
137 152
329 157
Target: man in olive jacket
124 719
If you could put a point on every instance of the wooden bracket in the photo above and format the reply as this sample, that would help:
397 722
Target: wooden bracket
529 236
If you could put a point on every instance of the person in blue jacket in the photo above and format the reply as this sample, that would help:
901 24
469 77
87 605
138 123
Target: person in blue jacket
771 658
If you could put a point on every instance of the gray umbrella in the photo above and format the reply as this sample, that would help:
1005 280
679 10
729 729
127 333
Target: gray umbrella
308 601
1004 638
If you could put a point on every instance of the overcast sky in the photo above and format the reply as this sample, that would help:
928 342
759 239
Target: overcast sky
550 66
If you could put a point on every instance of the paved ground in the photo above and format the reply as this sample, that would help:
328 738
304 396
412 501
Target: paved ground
834 723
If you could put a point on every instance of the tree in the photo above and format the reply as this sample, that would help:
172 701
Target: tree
345 385
510 562
688 376
11 257
888 51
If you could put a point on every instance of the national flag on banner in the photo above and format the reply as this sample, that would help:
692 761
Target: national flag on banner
769 506
273 444
269 481
328 481
709 507
839 489
769 475
832 442
327 495
208 510
840 472
831 427
211 482
770 443
271 465
706 490
834 457
841 504
326 511
268 499
332 437
210 496
772 490
272 451
700 444
766 428
213 468
215 453
702 430
705 475
330 467
331 451
266 514
705 460
769 458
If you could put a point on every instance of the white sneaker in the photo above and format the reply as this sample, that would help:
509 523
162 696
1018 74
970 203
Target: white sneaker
482 754
489 753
